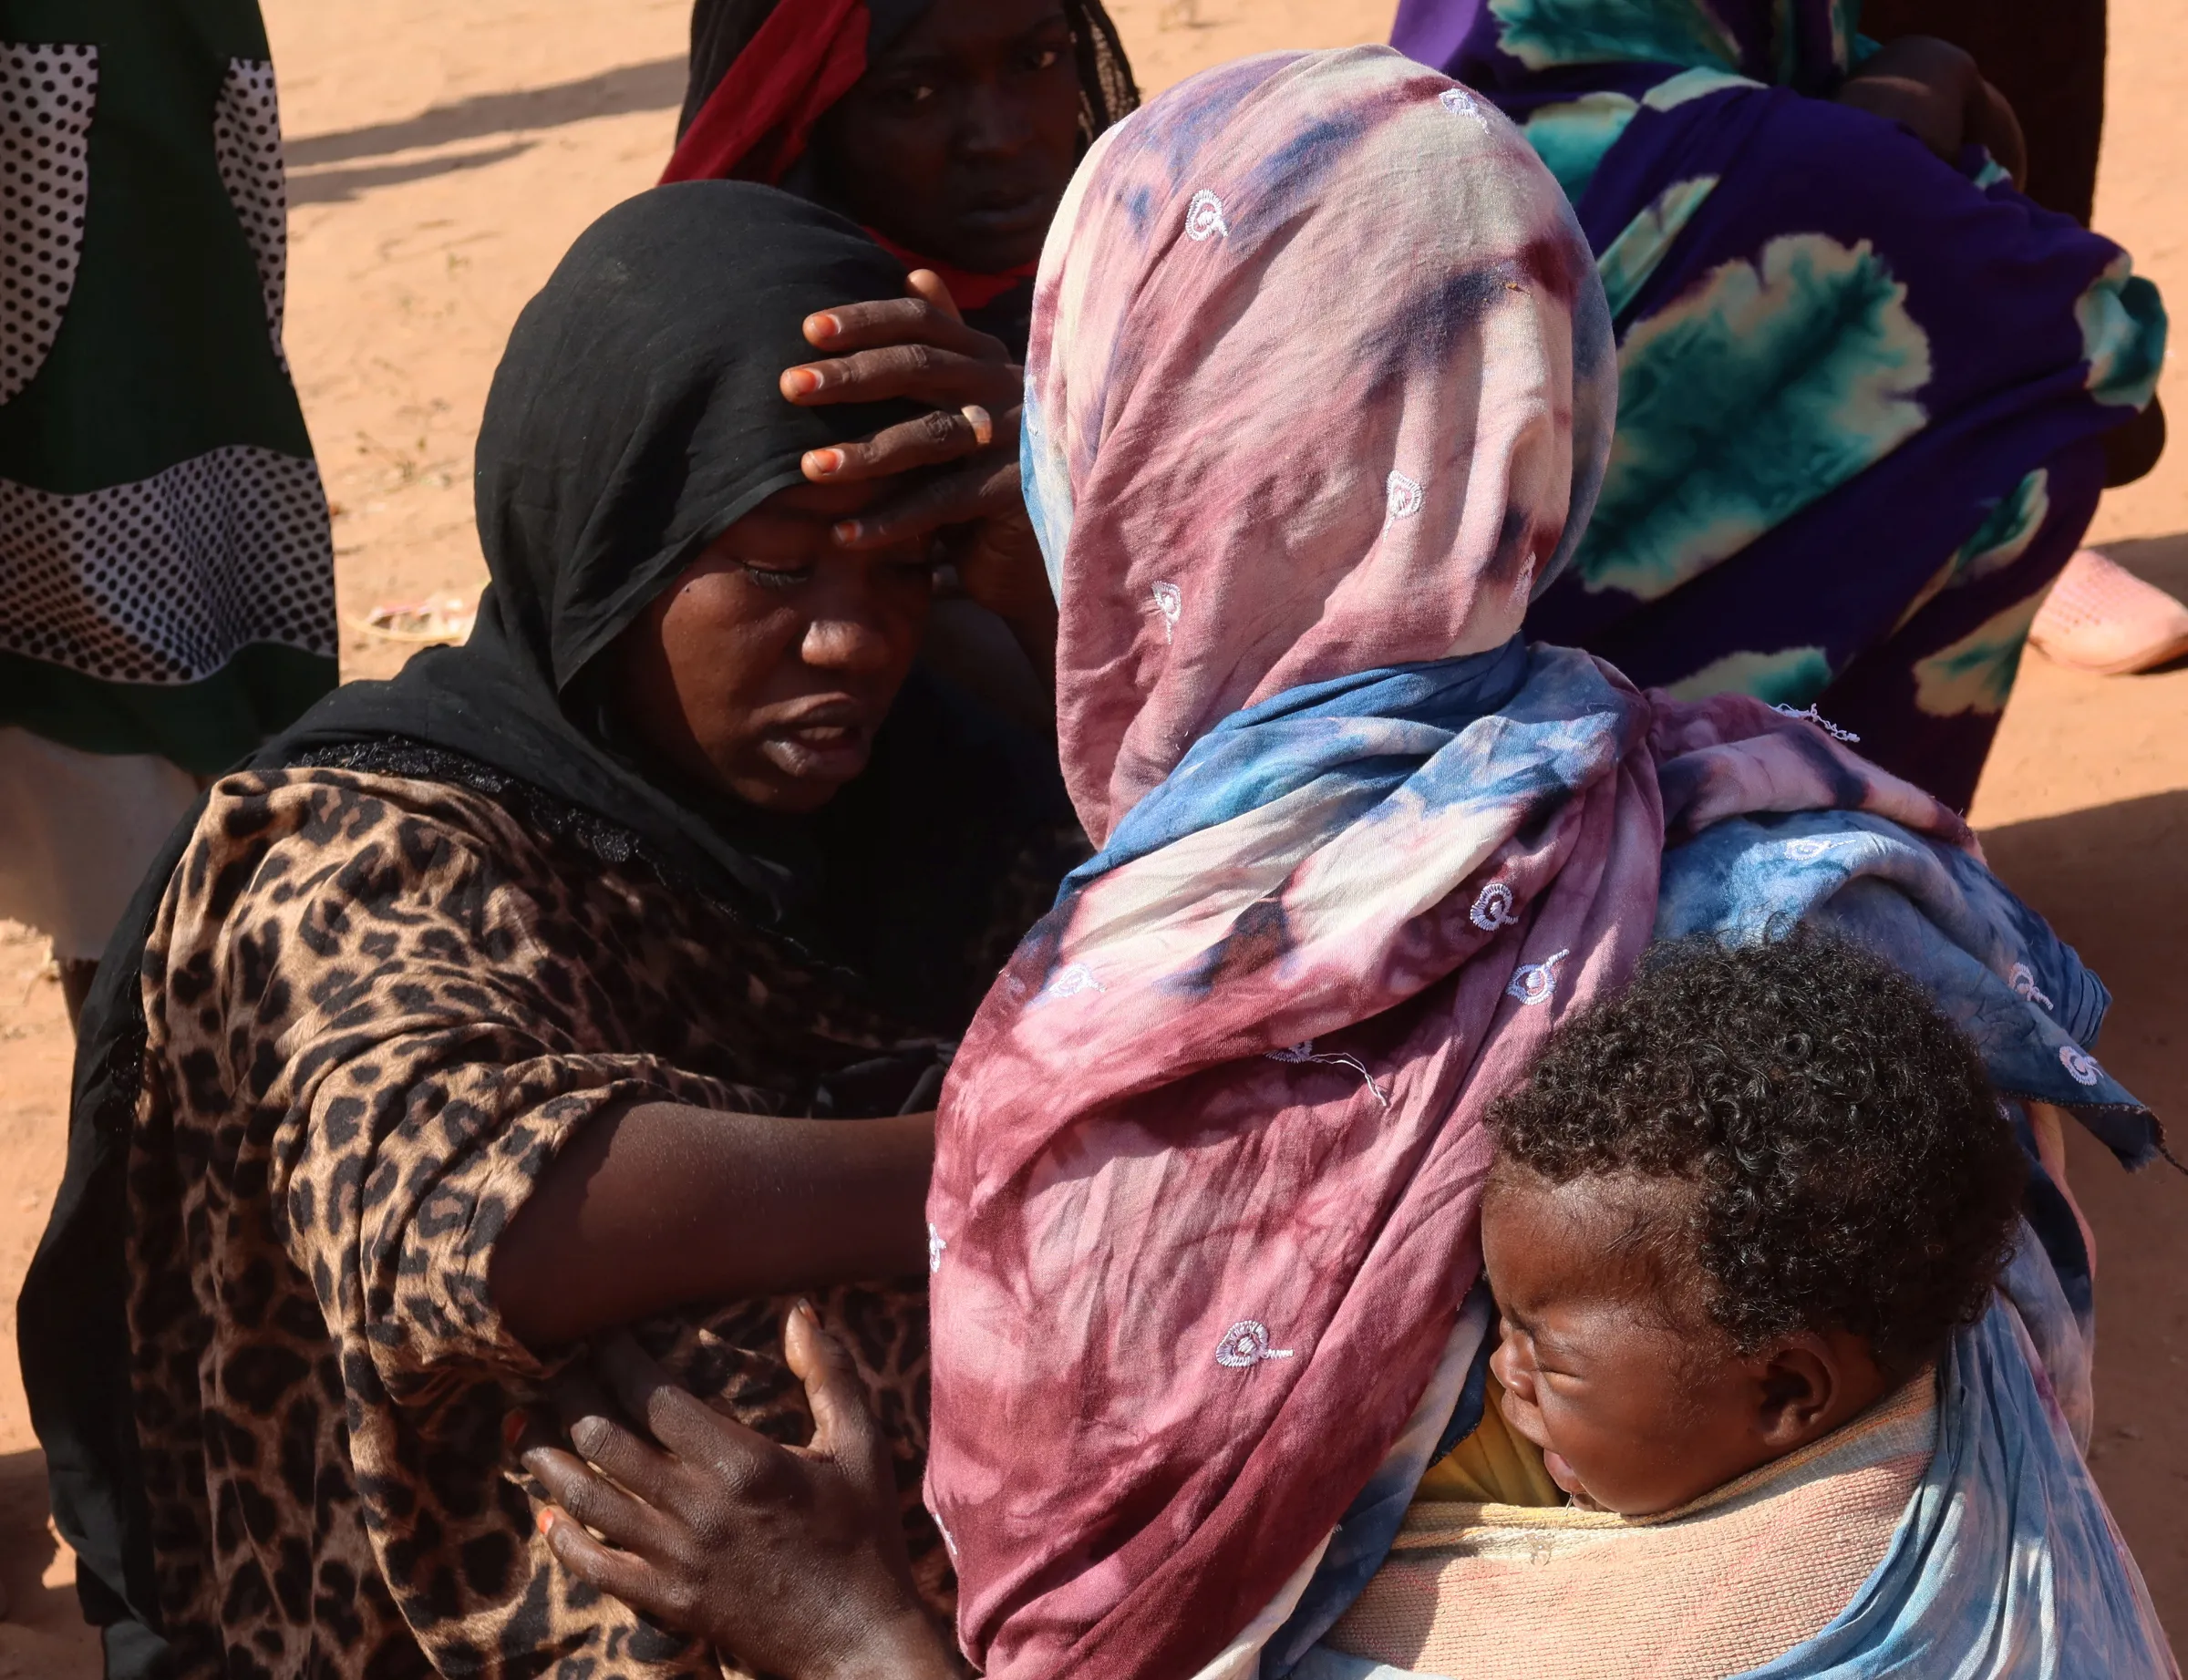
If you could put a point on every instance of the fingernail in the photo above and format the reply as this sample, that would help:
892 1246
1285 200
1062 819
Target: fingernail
846 531
822 326
983 423
801 382
805 1308
822 462
546 1519
512 1426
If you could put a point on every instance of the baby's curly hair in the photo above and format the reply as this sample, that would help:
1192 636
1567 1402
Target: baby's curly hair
1852 1167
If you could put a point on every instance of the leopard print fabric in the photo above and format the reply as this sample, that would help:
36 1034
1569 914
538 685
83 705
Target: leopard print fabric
375 1008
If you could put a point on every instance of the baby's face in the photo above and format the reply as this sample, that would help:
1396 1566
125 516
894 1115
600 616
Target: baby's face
1638 1401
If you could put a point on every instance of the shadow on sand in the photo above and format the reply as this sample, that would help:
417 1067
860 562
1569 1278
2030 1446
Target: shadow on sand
2113 881
657 86
42 1631
2162 560
339 186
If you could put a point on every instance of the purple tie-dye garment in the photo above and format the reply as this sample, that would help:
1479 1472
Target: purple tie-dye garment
1318 396
1862 390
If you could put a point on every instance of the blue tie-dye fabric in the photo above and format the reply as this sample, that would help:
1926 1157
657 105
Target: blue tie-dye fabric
1862 390
1991 963
1360 727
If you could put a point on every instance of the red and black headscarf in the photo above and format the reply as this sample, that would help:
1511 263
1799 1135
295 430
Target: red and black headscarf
763 73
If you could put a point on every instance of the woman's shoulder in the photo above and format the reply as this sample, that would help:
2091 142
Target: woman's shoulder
364 856
339 813
278 838
242 801
356 894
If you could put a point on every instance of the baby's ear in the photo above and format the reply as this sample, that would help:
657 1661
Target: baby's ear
1808 1384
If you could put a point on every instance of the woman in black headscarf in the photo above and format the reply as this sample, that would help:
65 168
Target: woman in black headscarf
948 128
599 967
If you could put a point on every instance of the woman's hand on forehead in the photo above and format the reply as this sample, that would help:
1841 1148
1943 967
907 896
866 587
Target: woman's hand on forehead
963 453
916 349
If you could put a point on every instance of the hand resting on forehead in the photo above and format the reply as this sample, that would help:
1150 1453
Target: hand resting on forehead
949 476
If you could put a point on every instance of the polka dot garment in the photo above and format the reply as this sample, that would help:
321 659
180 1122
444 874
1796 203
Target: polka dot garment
46 95
166 557
159 582
246 139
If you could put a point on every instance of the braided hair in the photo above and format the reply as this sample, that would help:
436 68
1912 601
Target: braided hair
1106 92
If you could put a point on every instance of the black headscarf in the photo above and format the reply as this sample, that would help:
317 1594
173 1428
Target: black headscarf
635 416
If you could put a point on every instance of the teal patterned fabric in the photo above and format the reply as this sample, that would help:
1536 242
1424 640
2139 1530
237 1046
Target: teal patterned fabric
1862 390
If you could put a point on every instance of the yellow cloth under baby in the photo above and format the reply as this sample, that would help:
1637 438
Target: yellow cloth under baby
1496 1465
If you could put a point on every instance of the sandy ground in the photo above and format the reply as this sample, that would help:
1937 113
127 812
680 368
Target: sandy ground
443 154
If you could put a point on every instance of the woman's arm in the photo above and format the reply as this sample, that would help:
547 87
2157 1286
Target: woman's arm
789 1558
656 1204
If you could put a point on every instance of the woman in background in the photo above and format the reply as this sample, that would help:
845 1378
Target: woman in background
946 128
2048 61
1869 392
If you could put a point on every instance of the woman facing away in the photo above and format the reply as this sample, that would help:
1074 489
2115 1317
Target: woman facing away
599 971
2047 63
1869 392
947 129
1320 395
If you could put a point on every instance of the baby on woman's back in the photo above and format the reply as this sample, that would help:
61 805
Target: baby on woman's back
1734 1210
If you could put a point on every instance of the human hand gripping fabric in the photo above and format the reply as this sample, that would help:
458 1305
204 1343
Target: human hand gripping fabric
790 1560
1935 89
918 348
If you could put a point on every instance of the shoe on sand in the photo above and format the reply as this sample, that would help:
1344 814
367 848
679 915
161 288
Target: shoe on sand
2101 617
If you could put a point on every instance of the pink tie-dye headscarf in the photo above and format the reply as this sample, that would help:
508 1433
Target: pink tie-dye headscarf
1320 389
1321 379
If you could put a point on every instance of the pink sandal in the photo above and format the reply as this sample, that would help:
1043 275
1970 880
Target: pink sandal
2103 618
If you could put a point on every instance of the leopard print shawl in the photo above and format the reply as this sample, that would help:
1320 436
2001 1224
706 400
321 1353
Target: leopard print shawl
375 1008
